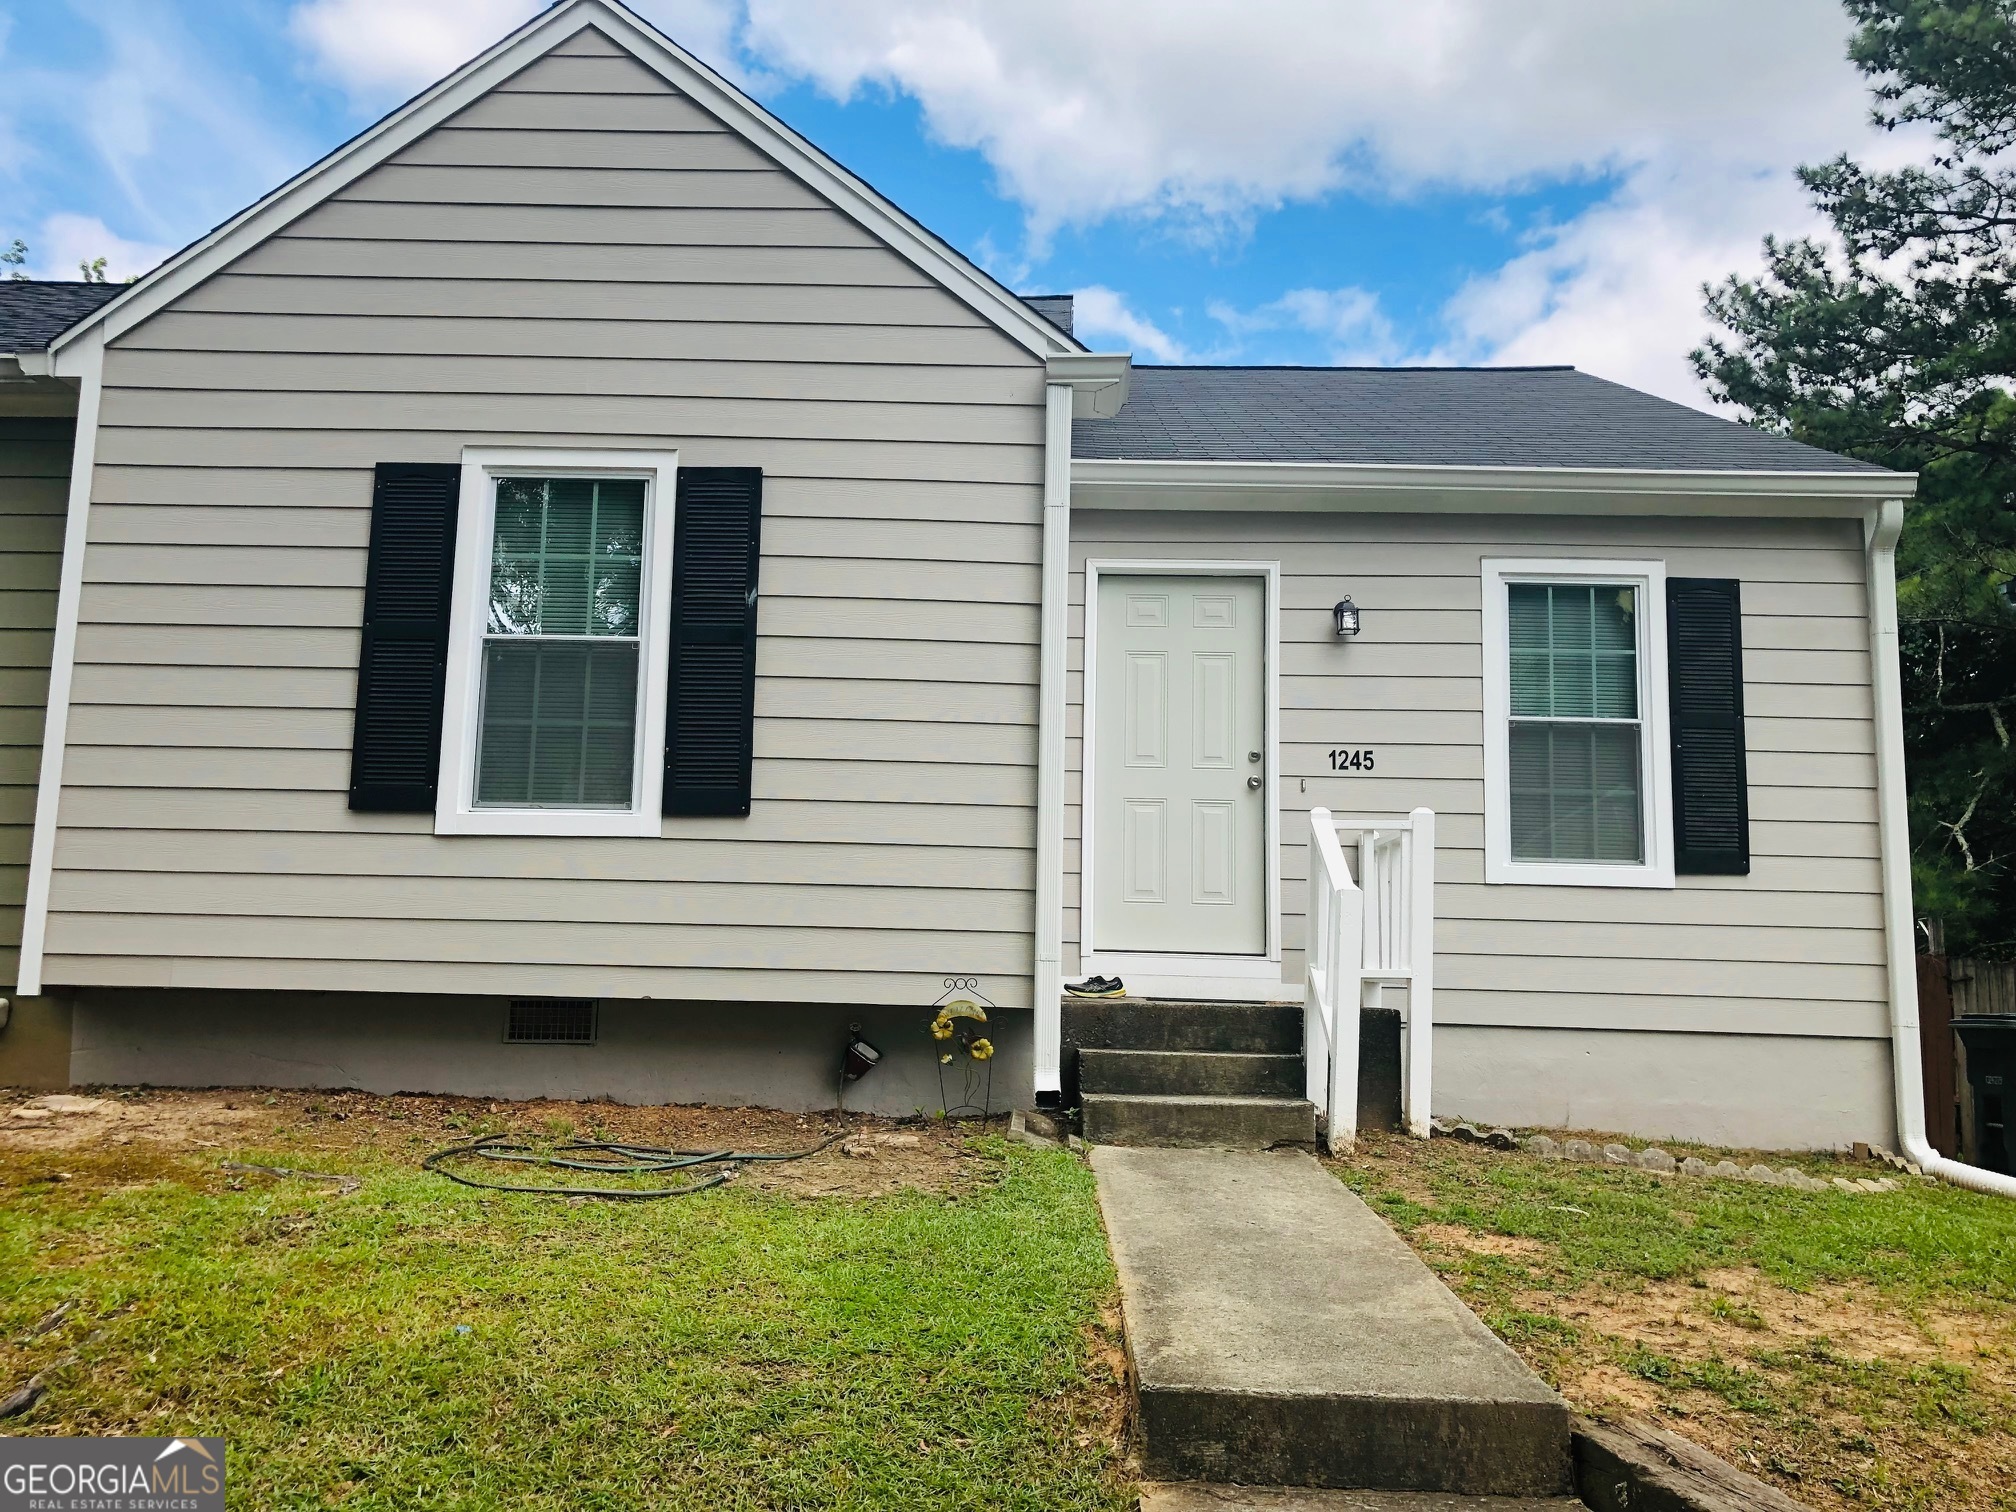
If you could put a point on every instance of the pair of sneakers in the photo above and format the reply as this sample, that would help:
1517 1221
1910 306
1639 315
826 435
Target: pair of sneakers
1097 987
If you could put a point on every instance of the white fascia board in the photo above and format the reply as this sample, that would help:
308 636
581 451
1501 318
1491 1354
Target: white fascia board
1098 483
846 193
1099 381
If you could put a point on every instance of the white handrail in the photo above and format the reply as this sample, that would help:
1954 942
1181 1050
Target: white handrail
1332 986
1363 939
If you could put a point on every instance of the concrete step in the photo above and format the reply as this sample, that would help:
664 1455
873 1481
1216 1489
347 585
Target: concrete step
1226 1123
1197 1073
1281 1335
1165 1024
1199 1496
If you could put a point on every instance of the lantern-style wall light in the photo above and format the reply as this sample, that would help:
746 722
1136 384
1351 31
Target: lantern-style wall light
1347 618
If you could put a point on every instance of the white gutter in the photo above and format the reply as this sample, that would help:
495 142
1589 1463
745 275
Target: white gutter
1119 483
1880 530
87 361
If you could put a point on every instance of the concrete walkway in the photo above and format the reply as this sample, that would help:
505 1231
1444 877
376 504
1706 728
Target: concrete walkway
1281 1334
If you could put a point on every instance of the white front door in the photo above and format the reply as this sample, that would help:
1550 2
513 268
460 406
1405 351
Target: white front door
1179 812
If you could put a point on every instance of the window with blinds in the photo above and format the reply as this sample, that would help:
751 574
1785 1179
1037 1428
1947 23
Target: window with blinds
1575 750
559 708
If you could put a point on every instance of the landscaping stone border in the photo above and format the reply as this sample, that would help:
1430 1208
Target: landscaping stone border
1662 1163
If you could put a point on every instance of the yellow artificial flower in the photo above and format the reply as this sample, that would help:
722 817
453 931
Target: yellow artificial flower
941 1028
981 1049
944 1060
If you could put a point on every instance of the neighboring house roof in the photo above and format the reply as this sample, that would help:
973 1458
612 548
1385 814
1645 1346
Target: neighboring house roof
852 196
34 312
1055 308
1429 417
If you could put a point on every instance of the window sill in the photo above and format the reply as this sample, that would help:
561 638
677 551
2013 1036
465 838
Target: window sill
1574 874
562 822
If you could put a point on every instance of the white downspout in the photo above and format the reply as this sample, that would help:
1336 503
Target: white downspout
1056 590
1880 531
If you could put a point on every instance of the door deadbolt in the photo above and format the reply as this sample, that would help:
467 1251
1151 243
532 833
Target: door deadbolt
1252 755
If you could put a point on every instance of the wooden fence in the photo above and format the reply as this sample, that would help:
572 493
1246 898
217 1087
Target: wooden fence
1981 986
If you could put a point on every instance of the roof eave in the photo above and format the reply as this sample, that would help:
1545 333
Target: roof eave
1103 483
849 194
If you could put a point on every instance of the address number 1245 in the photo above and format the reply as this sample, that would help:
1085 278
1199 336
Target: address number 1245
1350 761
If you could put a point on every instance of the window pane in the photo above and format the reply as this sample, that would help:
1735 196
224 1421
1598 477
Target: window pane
567 556
559 725
1576 793
1574 650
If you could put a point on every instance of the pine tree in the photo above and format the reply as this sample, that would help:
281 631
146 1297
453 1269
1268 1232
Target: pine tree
1897 343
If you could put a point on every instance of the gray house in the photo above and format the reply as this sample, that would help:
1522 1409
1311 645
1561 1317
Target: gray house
577 594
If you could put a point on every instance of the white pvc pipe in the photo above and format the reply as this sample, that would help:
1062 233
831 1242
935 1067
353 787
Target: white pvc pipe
1894 835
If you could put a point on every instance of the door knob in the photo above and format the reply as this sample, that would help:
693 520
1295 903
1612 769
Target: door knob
1252 782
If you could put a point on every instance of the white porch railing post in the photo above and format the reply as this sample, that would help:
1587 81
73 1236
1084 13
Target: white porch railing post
1315 1003
1347 992
1418 1072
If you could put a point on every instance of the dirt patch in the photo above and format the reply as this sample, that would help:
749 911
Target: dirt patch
1470 1241
1740 1311
871 1156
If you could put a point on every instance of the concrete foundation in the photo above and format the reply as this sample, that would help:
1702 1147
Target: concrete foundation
1752 1091
736 1054
35 1044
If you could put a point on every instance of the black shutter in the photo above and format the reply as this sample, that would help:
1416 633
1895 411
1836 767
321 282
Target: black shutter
710 713
1711 793
395 753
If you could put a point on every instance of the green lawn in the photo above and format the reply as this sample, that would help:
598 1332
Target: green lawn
416 1344
1859 1351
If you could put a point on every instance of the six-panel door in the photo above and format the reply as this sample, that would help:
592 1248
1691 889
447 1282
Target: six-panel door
1180 795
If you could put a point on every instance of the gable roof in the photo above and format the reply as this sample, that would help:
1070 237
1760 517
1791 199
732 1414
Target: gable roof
1552 417
34 311
853 197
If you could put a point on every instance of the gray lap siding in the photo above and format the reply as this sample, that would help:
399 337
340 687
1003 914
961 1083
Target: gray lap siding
1795 948
583 259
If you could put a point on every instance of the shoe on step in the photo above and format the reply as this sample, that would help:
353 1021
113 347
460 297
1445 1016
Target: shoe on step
1097 987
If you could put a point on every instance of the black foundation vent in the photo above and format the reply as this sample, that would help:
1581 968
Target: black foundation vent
550 1021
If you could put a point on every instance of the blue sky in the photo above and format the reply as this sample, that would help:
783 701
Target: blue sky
1303 181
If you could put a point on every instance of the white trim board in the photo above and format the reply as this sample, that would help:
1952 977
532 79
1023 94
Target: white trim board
455 811
1098 483
90 362
849 195
1649 578
1209 967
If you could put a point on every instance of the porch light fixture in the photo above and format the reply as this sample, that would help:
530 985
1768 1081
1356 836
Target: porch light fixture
1347 618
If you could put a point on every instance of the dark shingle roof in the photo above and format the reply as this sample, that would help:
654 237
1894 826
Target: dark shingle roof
1055 308
34 312
1452 417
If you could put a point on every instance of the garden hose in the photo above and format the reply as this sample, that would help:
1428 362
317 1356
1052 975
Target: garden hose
605 1157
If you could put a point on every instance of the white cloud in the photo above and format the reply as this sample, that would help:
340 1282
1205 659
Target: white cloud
380 50
1200 117
1349 321
1193 107
67 240
374 47
1098 313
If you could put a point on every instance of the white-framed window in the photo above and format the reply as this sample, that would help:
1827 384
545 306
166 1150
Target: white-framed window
554 722
1575 724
